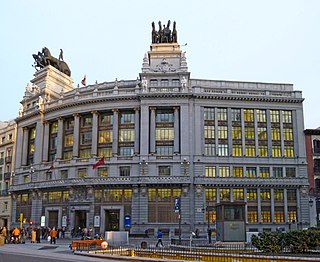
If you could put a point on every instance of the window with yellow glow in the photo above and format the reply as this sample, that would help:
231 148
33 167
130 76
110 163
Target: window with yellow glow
288 151
263 150
248 115
276 151
274 116
237 150
105 136
288 134
250 150
265 194
103 171
264 172
238 194
251 194
82 173
275 134
261 116
224 171
208 131
105 151
210 171
249 132
211 194
224 194
265 216
54 127
127 135
251 172
68 140
222 132
237 171
287 116
262 133
236 132
222 114
278 195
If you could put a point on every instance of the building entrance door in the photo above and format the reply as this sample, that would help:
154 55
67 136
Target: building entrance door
53 219
112 220
80 219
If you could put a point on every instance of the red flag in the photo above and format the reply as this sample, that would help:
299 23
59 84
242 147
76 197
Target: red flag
84 80
52 166
99 163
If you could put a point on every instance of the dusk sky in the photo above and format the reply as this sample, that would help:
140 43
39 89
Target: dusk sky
274 41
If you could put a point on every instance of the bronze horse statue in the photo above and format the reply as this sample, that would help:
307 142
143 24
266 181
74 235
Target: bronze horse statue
44 58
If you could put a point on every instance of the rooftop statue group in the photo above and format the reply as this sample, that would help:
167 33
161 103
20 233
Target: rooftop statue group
44 58
164 34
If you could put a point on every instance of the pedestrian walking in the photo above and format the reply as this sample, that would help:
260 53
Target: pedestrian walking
33 236
53 235
160 235
38 234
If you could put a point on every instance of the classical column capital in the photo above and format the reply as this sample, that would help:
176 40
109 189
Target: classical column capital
115 110
152 108
95 112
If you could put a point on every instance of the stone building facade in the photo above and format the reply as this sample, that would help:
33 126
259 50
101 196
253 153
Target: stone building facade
7 150
164 135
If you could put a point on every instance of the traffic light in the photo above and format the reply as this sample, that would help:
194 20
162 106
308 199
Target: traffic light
177 204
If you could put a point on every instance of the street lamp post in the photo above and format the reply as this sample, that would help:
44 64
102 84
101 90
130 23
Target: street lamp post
31 172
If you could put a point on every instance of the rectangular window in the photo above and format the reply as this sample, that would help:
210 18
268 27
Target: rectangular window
278 195
265 215
126 151
103 171
164 150
288 134
236 114
166 116
276 151
223 150
263 151
163 134
261 116
292 195
210 171
224 194
54 127
68 140
106 119
262 133
208 131
287 116
105 151
82 172
86 121
153 82
175 82
252 214
222 132
211 194
251 172
248 115
124 171
127 118
86 137
290 172
64 174
208 113
237 150
249 132
238 194
264 172
127 135
210 149
69 124
66 155
275 134
224 171
164 82
84 153
236 132
288 151
250 151
237 171
105 136
164 170
277 172
251 195
222 114
274 116
265 194
292 214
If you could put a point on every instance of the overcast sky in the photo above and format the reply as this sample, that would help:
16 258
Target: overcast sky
244 40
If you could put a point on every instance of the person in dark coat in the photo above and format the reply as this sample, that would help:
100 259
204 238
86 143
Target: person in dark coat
38 234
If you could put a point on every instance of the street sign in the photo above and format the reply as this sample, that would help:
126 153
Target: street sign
127 221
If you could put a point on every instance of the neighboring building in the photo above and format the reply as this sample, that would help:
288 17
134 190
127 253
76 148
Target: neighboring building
312 138
163 136
7 140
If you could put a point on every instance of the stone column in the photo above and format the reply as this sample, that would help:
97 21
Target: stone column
153 130
19 149
285 205
269 135
259 204
25 146
115 131
45 151
144 130
137 131
76 136
95 128
60 138
272 204
38 142
176 145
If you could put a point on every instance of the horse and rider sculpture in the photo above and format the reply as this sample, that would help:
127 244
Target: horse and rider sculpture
164 34
44 58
